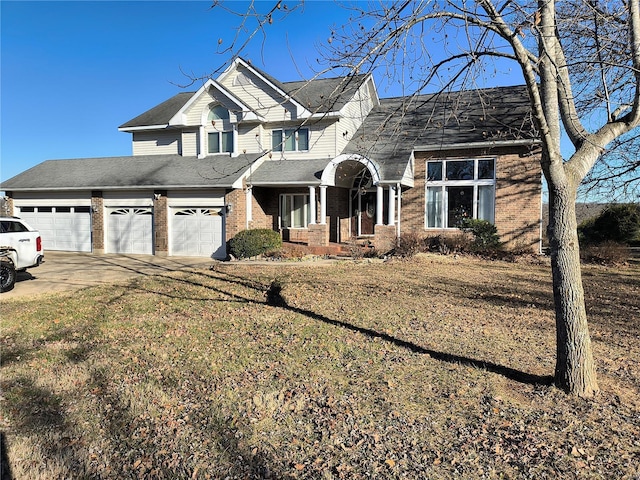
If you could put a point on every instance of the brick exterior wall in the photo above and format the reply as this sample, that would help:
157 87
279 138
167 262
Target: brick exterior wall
235 220
518 196
97 221
385 237
161 223
319 235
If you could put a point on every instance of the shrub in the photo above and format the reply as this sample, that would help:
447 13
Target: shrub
617 223
251 243
409 244
485 234
606 253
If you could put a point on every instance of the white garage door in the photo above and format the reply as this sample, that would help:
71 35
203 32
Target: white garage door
198 232
130 230
61 228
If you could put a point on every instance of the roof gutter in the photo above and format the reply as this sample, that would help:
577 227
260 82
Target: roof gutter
473 145
145 127
120 187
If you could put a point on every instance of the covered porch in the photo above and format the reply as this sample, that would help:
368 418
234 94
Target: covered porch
342 201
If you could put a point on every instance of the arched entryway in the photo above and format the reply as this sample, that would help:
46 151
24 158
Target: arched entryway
367 202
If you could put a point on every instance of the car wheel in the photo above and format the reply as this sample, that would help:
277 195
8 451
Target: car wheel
7 276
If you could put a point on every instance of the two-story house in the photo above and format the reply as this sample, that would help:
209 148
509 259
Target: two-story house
321 161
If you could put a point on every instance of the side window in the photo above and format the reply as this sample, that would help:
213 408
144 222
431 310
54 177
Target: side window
290 140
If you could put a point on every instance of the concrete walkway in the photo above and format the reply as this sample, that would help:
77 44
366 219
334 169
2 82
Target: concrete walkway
66 271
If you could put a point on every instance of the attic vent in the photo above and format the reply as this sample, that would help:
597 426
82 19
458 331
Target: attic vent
241 79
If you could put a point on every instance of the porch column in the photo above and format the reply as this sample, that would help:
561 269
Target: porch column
379 204
323 204
312 203
392 204
248 206
399 197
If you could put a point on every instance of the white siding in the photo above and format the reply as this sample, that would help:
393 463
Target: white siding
159 142
190 198
52 199
251 138
260 97
190 144
322 140
353 114
196 109
128 198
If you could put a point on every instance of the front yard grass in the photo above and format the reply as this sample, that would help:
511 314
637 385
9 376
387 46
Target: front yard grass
437 368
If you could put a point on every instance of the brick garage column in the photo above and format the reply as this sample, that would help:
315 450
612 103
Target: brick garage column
384 238
236 218
97 221
318 235
161 223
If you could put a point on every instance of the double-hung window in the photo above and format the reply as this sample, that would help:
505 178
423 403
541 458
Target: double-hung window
220 140
294 210
290 140
459 189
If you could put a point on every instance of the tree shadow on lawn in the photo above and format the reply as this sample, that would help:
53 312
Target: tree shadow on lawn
273 294
274 298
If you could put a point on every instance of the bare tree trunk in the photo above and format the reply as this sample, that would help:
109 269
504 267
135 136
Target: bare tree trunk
575 370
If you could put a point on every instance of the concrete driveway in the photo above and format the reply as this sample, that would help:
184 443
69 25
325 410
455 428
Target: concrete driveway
65 271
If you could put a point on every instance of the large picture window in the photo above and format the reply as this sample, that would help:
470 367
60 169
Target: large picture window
294 210
290 140
459 189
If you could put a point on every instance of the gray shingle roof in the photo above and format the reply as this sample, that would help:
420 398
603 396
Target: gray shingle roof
288 172
321 95
151 171
398 125
160 114
325 94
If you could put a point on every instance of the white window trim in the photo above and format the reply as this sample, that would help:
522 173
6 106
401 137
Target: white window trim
220 134
296 130
443 184
306 210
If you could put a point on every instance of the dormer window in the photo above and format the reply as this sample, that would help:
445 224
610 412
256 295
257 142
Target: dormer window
290 140
220 130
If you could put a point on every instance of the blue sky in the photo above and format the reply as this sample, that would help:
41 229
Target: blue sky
72 72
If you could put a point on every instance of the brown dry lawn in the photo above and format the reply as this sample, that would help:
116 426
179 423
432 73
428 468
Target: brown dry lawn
437 367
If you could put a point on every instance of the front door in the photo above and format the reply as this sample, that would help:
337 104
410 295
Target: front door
363 212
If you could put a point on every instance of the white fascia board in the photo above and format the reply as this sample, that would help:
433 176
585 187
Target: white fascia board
179 118
375 89
301 111
247 113
315 116
471 145
145 127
